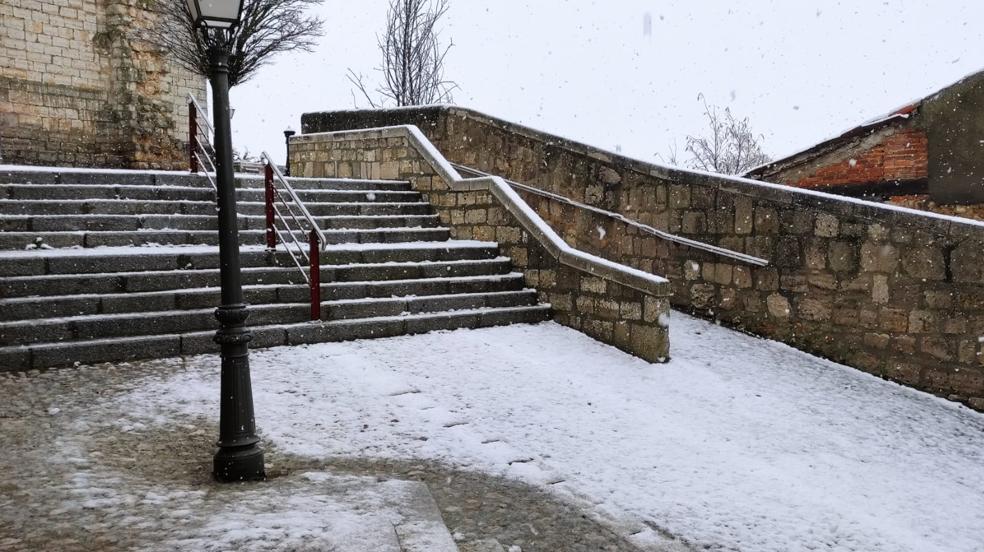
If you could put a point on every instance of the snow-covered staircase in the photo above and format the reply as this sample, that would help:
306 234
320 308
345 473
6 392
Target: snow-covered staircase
111 266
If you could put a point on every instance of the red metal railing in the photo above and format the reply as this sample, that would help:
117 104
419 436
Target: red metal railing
287 219
192 136
289 223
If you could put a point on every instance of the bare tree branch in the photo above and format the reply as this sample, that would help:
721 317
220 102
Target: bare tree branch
413 57
268 27
730 146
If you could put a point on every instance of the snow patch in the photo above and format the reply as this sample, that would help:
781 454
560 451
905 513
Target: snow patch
736 443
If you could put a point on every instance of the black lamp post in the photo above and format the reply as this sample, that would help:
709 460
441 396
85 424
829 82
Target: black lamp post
287 134
239 457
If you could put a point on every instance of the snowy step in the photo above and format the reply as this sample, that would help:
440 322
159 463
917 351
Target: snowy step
128 324
206 208
133 178
332 183
143 237
396 306
102 326
144 281
423 286
102 191
102 223
117 178
493 290
177 193
131 259
120 349
63 295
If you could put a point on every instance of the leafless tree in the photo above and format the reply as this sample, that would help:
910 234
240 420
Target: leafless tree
730 146
268 27
413 57
672 156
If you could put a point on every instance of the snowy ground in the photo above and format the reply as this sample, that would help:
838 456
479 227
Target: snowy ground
737 444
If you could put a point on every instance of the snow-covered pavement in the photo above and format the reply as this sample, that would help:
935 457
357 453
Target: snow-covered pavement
737 444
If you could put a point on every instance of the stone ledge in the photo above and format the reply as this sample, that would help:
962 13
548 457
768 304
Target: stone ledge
317 123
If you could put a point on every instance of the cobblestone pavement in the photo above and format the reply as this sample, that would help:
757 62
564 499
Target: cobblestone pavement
79 475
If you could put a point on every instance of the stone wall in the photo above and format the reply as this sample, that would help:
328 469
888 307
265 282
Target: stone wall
596 304
78 88
893 292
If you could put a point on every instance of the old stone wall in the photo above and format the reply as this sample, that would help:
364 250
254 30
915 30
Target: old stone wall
627 318
896 293
79 88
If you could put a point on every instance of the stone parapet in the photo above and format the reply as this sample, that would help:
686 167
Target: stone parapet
891 291
615 304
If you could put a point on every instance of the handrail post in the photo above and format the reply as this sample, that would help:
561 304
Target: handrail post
271 233
192 136
315 278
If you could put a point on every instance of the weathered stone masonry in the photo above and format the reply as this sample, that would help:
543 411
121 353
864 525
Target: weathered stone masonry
78 88
630 319
892 292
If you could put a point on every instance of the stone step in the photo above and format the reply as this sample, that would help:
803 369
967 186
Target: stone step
104 326
207 208
331 183
65 293
63 306
121 349
130 259
422 528
87 239
396 306
110 223
149 322
144 282
176 193
161 179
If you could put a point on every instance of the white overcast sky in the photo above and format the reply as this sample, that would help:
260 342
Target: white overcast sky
587 70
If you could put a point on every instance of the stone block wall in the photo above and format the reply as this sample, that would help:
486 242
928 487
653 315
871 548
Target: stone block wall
896 293
632 320
79 88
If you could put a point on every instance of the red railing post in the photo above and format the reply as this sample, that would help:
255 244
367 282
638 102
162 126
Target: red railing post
315 276
192 136
271 233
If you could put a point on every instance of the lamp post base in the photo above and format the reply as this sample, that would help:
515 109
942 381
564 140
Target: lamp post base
244 464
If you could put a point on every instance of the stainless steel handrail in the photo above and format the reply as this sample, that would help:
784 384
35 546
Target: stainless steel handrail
694 244
203 154
279 177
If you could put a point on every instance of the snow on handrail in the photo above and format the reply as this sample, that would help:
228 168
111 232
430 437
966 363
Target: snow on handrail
693 244
527 217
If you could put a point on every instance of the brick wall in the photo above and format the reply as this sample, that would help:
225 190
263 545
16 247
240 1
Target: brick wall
78 88
895 153
628 318
895 293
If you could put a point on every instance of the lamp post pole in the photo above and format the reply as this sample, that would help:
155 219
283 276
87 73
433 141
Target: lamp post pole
287 134
239 457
